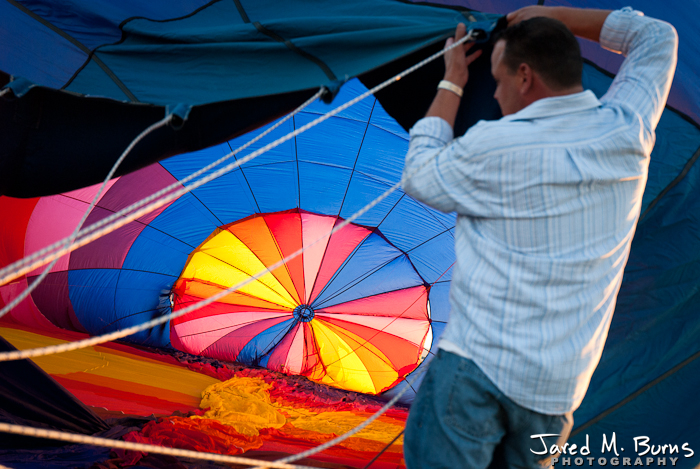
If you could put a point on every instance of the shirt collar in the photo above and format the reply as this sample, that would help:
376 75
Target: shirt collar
558 105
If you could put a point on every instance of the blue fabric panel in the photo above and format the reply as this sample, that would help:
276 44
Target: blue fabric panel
92 296
363 190
322 188
104 16
183 165
440 301
197 45
390 31
283 152
263 343
434 258
372 253
187 220
395 275
409 224
336 141
665 413
227 197
157 252
676 140
41 55
384 121
359 111
382 155
137 300
274 186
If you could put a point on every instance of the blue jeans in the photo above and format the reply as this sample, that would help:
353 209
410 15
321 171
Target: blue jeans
459 419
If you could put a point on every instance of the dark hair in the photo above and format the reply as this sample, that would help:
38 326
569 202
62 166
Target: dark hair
548 47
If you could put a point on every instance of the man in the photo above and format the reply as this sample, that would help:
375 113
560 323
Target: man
548 198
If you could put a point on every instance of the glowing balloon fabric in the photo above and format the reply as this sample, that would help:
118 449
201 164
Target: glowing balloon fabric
352 311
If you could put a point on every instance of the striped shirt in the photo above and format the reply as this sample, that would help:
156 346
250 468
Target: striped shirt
547 200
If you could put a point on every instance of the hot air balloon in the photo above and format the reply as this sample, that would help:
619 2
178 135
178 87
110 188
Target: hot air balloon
649 366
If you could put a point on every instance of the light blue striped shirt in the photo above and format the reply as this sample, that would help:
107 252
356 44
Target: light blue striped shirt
547 200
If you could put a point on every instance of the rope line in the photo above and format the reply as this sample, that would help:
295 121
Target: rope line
27 264
19 268
38 352
69 240
389 445
282 463
109 443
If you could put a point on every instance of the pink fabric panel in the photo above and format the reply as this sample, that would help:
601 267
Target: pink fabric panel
411 330
341 244
313 227
26 312
410 303
289 353
86 194
229 346
53 219
201 333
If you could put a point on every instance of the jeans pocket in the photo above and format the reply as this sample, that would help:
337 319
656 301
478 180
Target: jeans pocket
472 410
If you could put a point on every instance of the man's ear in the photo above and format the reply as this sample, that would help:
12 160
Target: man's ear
525 78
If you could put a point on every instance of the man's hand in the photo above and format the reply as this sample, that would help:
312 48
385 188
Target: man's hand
456 60
584 23
532 11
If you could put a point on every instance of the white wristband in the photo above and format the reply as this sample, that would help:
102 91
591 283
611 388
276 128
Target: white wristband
448 85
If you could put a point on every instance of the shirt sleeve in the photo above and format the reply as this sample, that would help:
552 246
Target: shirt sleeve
443 173
645 77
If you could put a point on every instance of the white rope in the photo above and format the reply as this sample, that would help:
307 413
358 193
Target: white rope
69 240
17 269
28 263
209 456
108 443
3 93
38 352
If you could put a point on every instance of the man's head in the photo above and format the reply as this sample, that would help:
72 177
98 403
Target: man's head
535 59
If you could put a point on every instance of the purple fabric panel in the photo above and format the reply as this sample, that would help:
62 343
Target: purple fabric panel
107 252
51 297
136 186
110 251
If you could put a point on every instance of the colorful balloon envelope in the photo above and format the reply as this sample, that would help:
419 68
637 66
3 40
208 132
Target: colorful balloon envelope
351 311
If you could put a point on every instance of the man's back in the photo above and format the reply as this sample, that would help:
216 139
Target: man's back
548 199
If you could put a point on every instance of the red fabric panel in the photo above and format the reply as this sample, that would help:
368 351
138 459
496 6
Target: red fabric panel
313 367
286 228
13 225
216 308
402 354
278 357
340 246
255 234
410 303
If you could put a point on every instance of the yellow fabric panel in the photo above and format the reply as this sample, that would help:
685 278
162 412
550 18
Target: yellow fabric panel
343 366
225 260
379 367
242 403
245 404
342 422
102 361
205 290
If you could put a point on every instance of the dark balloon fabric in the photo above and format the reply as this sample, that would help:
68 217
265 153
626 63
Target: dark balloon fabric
223 67
29 396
